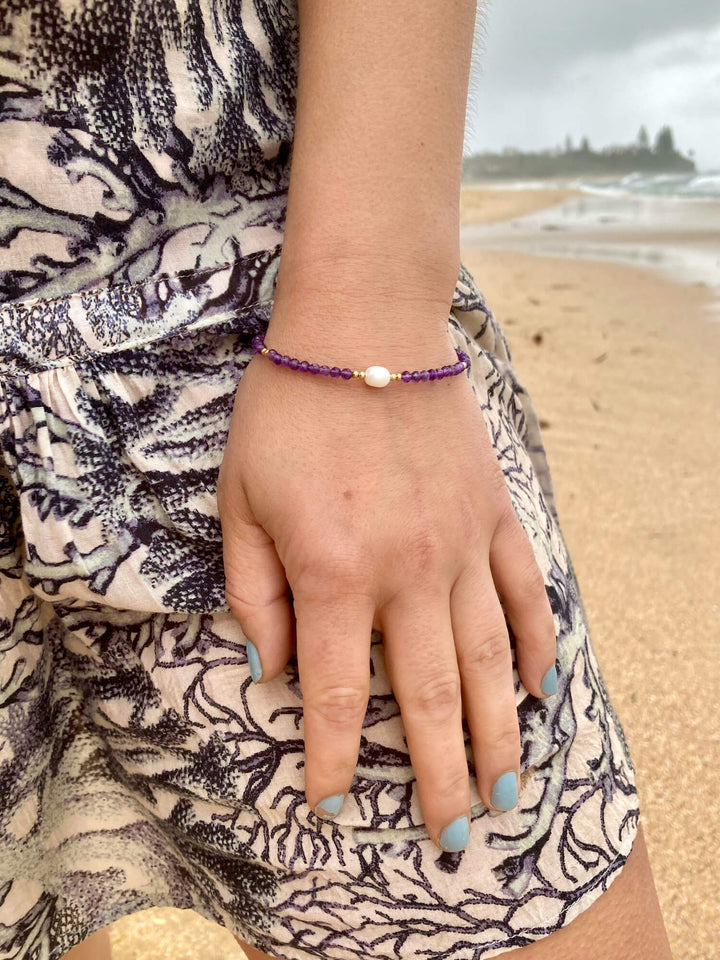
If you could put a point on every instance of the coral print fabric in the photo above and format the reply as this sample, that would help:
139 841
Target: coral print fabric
145 149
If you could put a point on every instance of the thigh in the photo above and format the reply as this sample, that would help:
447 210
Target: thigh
625 922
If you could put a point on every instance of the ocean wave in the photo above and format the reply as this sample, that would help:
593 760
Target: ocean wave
700 186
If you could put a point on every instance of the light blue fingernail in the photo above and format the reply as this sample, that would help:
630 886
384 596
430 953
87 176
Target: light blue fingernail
330 806
549 683
253 660
456 835
505 791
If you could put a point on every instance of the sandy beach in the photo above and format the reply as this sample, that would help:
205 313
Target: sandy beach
480 205
624 370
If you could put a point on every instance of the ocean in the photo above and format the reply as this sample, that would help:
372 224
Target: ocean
667 223
685 186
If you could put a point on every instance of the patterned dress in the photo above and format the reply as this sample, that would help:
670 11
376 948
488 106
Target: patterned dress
145 149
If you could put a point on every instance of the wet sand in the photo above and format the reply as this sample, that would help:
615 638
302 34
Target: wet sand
624 371
677 237
483 205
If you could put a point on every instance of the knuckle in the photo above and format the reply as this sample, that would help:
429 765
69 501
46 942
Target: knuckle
425 553
331 574
238 607
506 740
340 706
436 699
451 785
489 651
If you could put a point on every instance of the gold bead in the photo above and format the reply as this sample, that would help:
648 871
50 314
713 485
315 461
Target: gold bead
356 373
264 351
395 376
362 373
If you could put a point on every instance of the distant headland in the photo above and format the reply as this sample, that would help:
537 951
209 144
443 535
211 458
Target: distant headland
582 160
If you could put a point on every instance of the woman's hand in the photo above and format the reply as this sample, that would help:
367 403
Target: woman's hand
384 508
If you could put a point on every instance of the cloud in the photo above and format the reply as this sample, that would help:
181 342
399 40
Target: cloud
606 95
531 41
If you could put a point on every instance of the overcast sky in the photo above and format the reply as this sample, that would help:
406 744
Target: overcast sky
596 68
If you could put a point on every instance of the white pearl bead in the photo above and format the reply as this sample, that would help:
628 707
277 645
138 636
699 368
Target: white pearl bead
377 376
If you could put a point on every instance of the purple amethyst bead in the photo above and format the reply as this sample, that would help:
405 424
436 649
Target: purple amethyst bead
424 375
324 370
334 371
459 367
432 374
405 376
346 373
313 368
274 356
415 375
303 366
294 363
285 360
257 342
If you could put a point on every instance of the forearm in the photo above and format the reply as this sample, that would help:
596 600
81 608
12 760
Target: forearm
375 177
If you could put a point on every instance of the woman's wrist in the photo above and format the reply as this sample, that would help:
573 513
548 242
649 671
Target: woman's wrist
356 325
355 296
363 272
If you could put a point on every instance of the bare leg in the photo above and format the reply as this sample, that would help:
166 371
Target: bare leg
251 953
624 923
95 947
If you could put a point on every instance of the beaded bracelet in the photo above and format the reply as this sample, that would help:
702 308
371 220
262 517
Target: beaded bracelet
374 376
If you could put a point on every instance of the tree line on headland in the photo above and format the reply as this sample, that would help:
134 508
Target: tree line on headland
582 160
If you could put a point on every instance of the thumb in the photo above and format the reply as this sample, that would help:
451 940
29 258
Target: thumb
256 588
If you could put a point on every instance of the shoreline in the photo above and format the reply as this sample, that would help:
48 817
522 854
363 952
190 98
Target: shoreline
675 237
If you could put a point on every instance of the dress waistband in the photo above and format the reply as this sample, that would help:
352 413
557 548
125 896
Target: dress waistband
42 333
